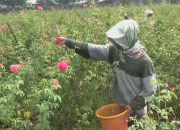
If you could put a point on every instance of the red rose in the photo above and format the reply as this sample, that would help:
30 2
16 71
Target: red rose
14 68
62 66
58 41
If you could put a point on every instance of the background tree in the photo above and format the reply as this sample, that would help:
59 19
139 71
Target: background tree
54 2
13 3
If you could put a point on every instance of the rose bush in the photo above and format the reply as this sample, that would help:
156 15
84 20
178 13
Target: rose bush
48 93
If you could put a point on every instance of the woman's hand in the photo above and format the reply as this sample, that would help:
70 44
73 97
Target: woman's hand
60 40
130 110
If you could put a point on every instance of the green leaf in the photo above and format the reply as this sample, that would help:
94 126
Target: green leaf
173 95
57 98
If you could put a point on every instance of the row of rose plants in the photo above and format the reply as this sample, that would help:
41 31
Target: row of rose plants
38 92
18 93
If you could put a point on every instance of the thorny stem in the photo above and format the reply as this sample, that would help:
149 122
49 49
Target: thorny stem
12 32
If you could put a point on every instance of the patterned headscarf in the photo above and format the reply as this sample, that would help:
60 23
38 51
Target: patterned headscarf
126 34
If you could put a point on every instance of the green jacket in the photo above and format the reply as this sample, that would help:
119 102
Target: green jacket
135 77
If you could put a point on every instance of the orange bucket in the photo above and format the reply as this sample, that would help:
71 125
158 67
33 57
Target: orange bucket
113 117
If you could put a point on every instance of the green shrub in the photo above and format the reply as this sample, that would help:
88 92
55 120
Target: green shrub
30 101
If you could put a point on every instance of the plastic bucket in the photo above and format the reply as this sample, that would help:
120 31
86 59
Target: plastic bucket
113 117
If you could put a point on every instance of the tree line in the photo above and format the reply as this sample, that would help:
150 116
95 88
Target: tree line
13 3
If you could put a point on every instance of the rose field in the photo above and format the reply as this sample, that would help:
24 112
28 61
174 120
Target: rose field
44 86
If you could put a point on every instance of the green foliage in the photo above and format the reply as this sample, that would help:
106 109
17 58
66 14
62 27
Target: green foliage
29 100
161 114
162 43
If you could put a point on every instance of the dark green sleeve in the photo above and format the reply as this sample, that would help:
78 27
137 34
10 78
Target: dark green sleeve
79 47
106 52
138 103
112 54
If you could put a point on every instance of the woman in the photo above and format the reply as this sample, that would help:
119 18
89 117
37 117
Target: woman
135 78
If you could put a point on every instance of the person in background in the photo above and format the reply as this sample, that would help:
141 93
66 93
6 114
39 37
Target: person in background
135 77
148 13
147 17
